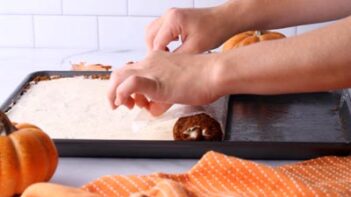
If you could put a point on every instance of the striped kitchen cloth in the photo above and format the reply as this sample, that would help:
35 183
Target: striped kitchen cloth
220 175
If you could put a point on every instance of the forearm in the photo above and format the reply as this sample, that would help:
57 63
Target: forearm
316 61
273 14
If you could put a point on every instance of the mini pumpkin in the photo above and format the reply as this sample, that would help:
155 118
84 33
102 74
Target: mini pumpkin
55 190
27 156
250 37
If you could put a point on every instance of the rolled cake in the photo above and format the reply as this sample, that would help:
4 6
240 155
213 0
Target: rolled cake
77 108
199 127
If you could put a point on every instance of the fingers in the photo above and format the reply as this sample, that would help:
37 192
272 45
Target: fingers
163 37
111 93
138 99
151 32
139 86
141 101
129 102
117 77
164 30
133 85
157 109
189 45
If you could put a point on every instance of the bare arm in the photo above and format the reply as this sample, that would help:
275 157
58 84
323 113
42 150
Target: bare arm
316 61
205 29
272 14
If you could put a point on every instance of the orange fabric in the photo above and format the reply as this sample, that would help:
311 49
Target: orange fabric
220 175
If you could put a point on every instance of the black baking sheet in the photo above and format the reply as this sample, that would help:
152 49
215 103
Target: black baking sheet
295 126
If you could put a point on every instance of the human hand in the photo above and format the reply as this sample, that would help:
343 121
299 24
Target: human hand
192 26
165 78
200 30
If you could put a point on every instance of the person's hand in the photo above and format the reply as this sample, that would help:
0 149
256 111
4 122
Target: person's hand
165 78
199 29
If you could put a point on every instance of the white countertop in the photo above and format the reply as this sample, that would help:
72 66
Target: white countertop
15 64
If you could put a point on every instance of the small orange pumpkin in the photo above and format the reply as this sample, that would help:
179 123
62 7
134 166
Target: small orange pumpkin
250 37
27 156
55 190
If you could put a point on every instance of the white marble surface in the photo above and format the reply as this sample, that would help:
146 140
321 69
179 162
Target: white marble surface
15 64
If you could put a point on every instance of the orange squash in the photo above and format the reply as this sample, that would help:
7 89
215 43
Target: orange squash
27 156
55 190
250 37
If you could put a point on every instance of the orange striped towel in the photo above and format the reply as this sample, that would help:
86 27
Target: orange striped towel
220 175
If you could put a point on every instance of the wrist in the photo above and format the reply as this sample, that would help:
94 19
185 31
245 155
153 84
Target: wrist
226 75
235 16
243 15
218 73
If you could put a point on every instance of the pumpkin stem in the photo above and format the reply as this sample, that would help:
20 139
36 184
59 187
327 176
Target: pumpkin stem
5 124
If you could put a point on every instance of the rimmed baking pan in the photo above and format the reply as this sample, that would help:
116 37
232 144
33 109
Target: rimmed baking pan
295 126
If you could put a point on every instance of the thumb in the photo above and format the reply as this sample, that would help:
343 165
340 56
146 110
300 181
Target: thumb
163 38
188 46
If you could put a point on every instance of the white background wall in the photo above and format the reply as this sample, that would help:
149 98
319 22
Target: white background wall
91 24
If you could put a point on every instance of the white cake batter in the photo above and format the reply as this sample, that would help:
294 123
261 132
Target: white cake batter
77 108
